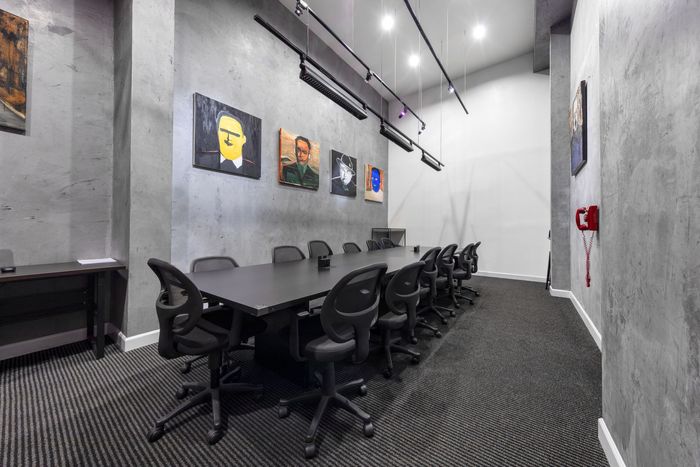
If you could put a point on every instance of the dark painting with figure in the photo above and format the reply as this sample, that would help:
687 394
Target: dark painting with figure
225 139
577 130
343 174
14 43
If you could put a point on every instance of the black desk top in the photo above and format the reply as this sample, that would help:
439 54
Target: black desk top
73 268
265 288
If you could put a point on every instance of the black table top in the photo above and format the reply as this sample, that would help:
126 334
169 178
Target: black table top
265 288
42 271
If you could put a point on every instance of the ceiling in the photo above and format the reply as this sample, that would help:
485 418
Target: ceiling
510 28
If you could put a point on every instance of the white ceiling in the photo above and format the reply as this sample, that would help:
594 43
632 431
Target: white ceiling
448 23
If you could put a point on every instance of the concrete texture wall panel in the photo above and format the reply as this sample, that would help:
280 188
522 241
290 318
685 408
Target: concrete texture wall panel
221 52
559 83
650 61
56 180
585 187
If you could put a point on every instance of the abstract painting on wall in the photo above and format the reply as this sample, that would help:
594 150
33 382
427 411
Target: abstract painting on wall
14 44
299 160
225 139
374 183
343 174
577 130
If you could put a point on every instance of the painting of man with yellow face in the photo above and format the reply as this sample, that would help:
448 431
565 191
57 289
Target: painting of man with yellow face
225 139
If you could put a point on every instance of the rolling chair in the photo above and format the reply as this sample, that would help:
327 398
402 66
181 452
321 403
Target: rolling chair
475 265
251 326
401 296
286 254
446 263
319 248
428 292
387 243
463 272
184 332
349 310
373 245
351 247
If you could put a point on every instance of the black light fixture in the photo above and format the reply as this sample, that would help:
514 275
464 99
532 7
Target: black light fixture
431 161
402 114
368 77
319 82
390 134
451 89
301 6
422 129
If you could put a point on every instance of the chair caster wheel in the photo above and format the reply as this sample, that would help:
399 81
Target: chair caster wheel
388 373
414 340
415 360
362 390
310 451
156 433
186 368
453 314
182 393
477 294
283 411
444 320
438 334
368 429
215 435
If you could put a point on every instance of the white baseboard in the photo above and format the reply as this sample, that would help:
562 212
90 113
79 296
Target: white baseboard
507 275
595 334
48 342
609 446
134 342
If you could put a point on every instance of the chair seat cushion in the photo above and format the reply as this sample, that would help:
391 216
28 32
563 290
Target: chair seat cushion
200 342
441 282
424 291
323 349
459 274
391 320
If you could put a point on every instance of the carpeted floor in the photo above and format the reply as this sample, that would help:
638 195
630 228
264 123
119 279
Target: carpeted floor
514 381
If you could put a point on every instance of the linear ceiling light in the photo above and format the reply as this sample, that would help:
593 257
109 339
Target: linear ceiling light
323 85
431 161
391 135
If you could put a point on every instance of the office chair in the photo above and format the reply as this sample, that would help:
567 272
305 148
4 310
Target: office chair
348 312
251 326
475 265
351 247
446 263
286 254
387 243
401 296
463 272
373 245
184 332
428 292
319 248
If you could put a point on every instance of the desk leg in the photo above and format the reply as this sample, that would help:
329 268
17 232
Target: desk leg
104 293
90 301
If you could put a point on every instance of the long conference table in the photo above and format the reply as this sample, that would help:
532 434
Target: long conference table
279 293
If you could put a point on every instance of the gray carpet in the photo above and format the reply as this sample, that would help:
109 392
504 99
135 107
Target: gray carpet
514 381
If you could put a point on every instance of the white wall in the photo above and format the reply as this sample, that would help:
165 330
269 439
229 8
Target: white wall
495 186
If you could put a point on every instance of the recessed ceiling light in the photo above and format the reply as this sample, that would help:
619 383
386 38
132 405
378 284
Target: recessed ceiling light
387 22
479 32
413 60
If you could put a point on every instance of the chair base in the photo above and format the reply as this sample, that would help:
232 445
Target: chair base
187 366
423 323
434 309
390 345
329 392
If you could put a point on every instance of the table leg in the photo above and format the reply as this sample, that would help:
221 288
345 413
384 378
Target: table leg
104 292
90 301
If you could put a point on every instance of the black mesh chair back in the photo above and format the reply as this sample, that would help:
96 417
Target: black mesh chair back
387 243
351 247
464 260
373 245
178 297
402 293
351 307
445 259
213 263
319 248
475 257
430 271
286 254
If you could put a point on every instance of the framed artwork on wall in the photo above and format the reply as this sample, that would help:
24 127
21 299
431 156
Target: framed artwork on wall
577 130
299 160
374 183
343 174
225 139
14 47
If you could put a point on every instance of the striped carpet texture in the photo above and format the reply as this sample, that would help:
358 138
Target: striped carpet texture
515 381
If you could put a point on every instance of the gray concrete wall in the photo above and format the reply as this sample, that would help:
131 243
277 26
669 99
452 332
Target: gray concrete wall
559 83
585 186
217 213
650 62
56 180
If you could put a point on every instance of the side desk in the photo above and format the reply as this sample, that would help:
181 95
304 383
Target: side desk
95 299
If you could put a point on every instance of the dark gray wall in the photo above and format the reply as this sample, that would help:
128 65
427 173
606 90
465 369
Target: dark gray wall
650 141
559 73
56 180
221 52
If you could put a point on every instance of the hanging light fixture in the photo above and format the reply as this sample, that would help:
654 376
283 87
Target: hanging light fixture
319 82
430 161
390 134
